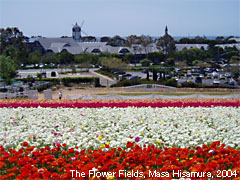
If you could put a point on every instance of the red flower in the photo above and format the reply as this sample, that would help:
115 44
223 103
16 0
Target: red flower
25 144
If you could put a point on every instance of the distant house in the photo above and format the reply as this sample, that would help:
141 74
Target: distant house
78 44
180 47
224 46
57 45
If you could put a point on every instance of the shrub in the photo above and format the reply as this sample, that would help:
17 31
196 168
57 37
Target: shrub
145 62
171 82
133 82
189 84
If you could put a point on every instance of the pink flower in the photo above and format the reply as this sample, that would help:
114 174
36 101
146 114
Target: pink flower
137 139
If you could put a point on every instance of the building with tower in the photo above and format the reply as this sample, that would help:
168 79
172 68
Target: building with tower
166 31
76 33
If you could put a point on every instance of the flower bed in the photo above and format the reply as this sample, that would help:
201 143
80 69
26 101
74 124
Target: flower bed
60 162
121 103
93 128
125 139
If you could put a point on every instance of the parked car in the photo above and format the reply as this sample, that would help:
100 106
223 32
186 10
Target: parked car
209 76
126 75
119 72
189 74
216 81
134 77
198 80
222 76
232 82
144 71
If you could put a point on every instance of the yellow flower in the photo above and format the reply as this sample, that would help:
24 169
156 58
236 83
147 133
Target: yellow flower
110 177
108 143
102 146
99 137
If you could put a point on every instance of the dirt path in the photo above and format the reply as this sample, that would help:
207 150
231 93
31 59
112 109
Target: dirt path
85 91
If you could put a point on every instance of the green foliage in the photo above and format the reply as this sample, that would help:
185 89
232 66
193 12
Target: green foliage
39 76
112 63
129 57
156 57
12 44
204 40
43 87
51 58
171 82
107 73
145 62
78 80
170 61
189 84
235 59
7 69
133 82
190 55
116 41
35 57
65 58
86 58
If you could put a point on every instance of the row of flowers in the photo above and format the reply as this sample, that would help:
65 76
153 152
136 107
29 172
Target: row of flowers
132 162
121 103
96 128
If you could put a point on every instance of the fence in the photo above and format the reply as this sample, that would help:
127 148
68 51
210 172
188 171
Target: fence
31 94
150 87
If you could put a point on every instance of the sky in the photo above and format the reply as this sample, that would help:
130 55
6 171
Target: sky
55 18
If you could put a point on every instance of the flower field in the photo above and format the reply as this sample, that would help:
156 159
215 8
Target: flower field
115 139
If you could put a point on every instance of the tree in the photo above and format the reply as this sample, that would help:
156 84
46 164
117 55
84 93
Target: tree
50 58
105 39
170 61
35 57
10 51
235 60
86 58
166 44
132 39
129 57
117 41
113 63
219 38
13 37
89 39
65 58
145 62
7 69
39 76
181 64
156 57
145 41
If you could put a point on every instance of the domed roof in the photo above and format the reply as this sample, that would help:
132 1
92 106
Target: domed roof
76 27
